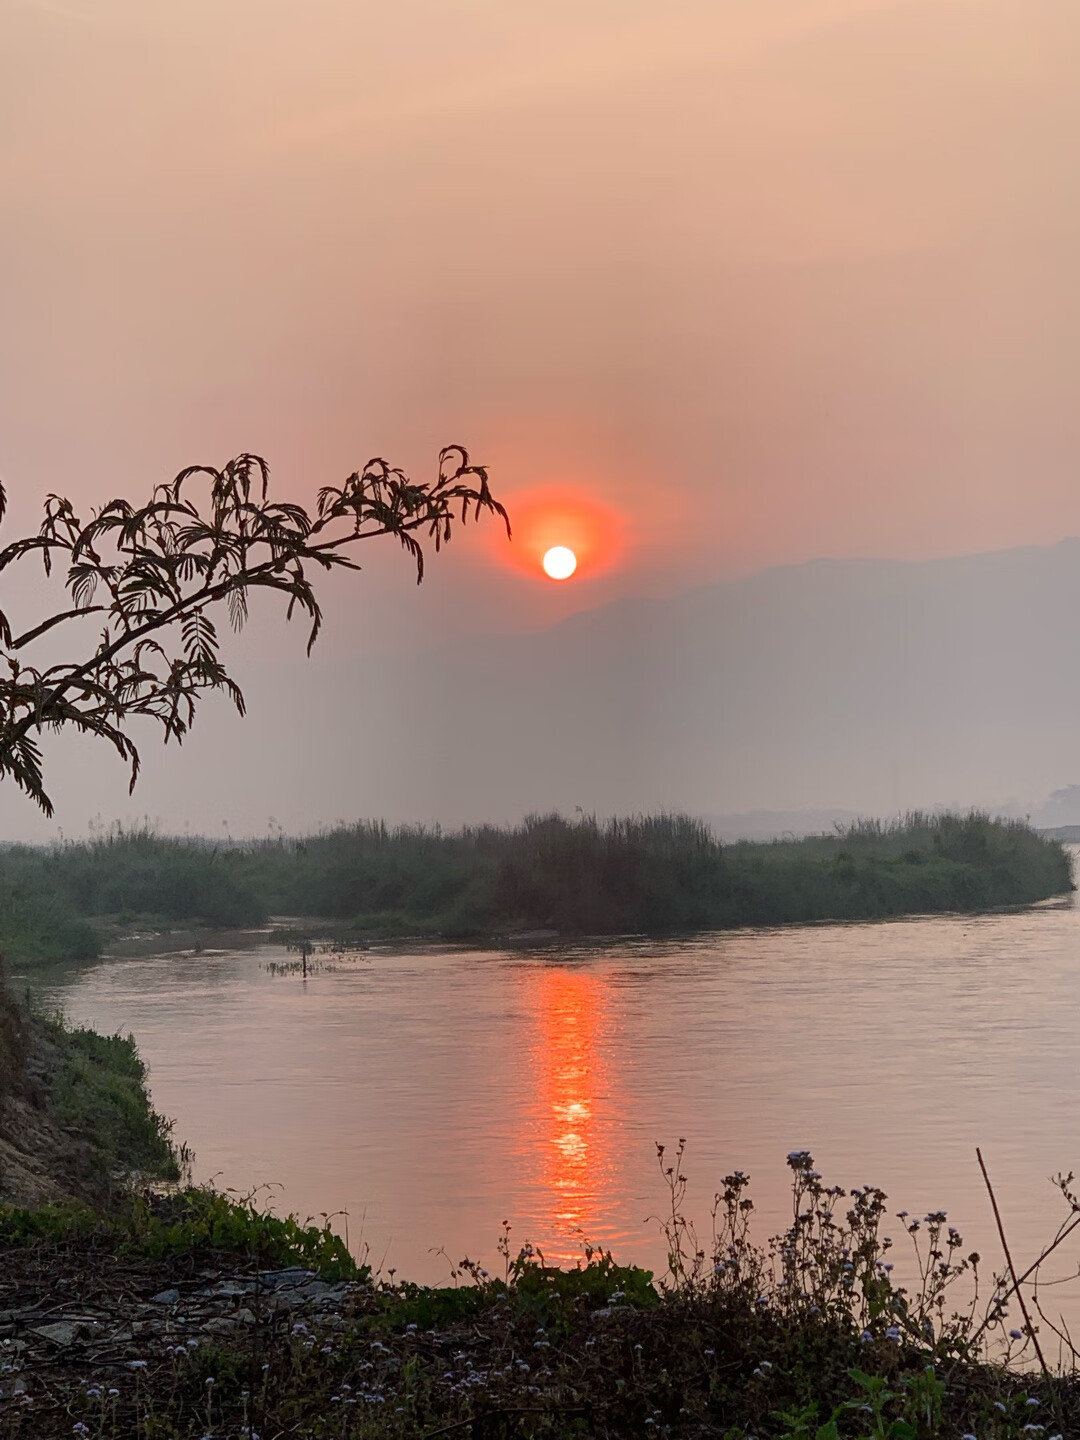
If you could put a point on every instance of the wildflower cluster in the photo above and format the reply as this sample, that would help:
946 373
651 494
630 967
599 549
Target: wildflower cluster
805 1337
834 1262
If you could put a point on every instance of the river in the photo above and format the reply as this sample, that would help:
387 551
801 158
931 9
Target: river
432 1095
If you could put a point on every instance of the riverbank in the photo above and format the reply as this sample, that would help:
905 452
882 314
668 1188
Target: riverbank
173 1321
76 1120
646 875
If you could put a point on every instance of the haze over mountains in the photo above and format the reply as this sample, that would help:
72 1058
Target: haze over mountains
860 686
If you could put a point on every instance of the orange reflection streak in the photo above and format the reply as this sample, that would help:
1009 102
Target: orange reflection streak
570 1073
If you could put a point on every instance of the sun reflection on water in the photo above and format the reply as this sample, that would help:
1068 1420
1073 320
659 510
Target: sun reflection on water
572 1101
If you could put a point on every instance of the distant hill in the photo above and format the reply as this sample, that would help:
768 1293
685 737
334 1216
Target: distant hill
847 685
1059 810
840 687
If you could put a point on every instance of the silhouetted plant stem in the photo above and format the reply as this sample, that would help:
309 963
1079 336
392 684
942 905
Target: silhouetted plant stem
1012 1268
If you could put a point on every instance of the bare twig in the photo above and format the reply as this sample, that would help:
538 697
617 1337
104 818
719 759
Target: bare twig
1012 1268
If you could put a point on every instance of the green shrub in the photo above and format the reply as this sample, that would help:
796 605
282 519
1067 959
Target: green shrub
38 922
201 1218
14 1042
99 1090
189 1221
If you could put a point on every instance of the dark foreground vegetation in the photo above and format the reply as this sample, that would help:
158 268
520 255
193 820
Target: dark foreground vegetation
196 1316
643 875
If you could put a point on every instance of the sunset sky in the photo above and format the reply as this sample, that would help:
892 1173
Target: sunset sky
749 281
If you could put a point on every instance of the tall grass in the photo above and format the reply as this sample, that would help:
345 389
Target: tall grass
38 921
651 874
140 873
49 896
644 874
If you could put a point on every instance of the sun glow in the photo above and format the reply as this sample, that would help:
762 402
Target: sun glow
553 519
560 562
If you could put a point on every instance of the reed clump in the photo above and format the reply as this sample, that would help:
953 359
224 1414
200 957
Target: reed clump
644 874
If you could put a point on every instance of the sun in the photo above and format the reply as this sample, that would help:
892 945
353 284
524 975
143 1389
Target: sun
560 519
560 562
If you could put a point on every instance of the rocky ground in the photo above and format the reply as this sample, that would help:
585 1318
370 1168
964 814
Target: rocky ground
82 1325
113 1320
97 1346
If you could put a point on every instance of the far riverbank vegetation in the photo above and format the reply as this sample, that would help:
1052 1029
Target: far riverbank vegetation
643 875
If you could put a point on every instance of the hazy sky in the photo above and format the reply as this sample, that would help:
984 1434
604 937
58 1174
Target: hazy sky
761 280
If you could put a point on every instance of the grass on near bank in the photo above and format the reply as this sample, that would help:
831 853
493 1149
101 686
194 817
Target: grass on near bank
647 874
184 1222
98 1089
805 1337
74 1104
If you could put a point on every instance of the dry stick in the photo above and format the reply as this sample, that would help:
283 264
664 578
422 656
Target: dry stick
1063 1234
1012 1268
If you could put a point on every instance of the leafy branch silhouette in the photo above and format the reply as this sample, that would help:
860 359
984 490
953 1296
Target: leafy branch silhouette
155 574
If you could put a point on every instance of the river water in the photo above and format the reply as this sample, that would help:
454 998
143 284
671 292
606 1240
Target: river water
433 1095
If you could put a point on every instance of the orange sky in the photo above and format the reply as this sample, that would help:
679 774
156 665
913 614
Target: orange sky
765 279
